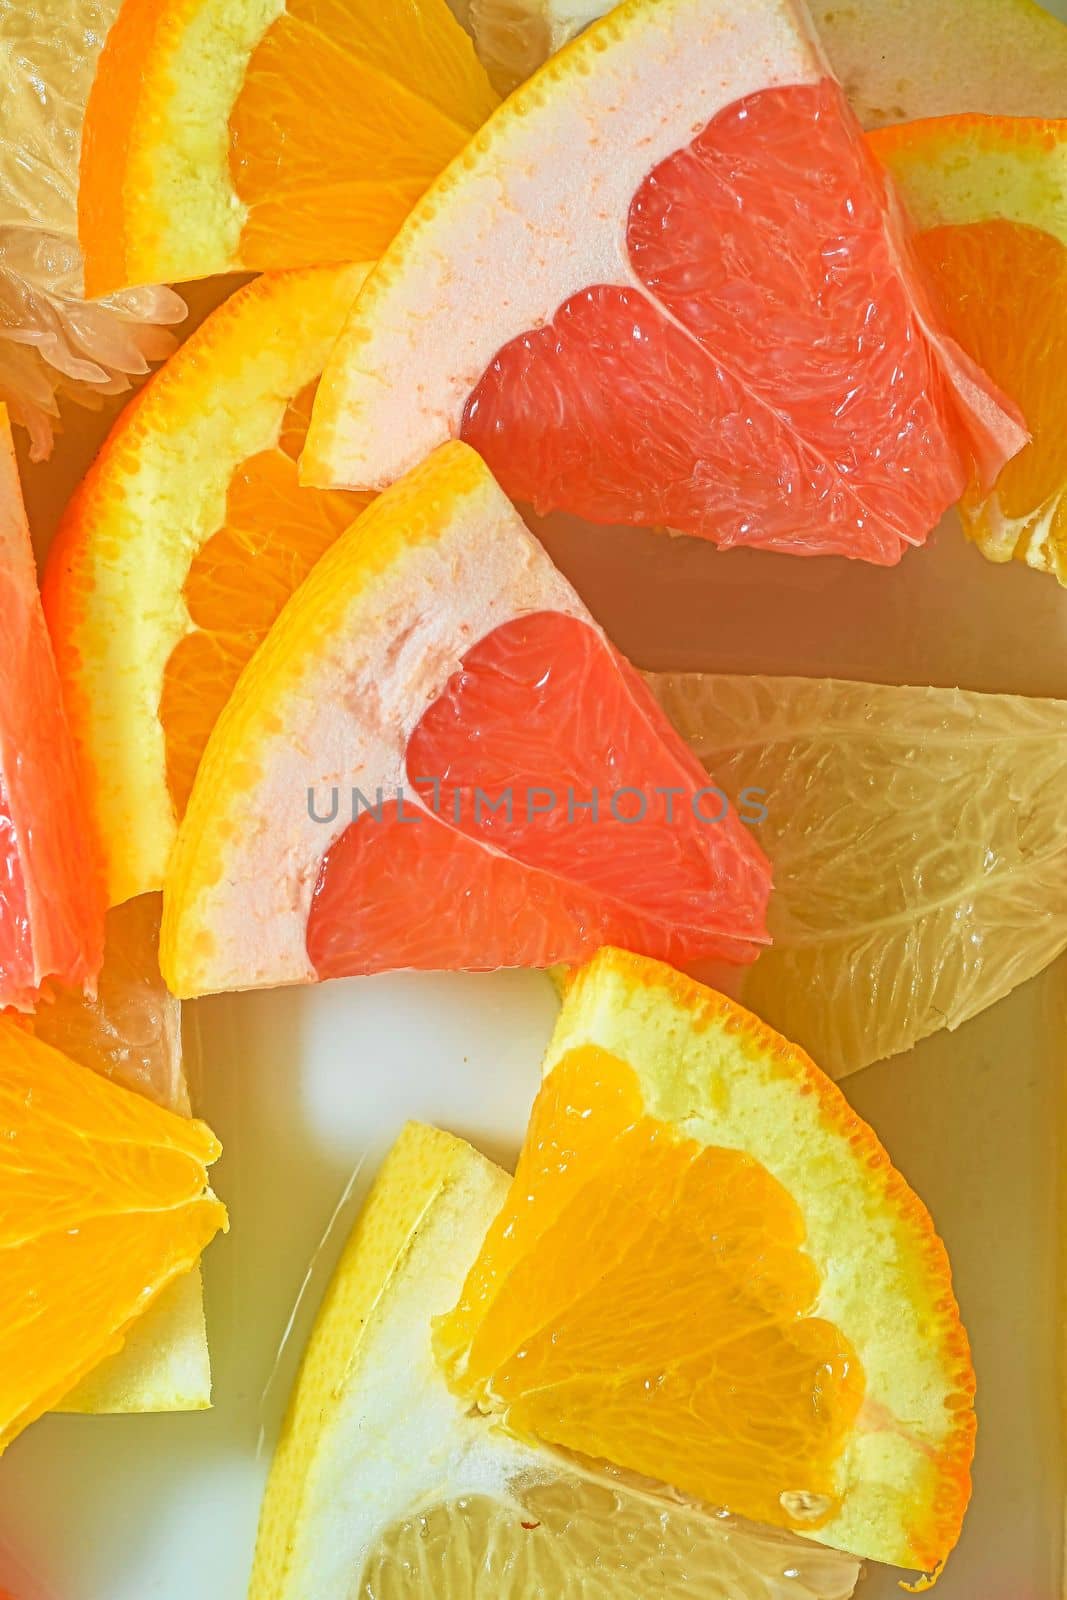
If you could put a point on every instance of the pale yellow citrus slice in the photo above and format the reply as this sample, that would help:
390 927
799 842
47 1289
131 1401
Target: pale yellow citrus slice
386 1484
990 196
180 548
226 134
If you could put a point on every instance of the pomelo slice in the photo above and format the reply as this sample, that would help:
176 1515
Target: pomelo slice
104 1202
229 134
131 1033
716 326
51 900
708 1272
437 760
889 920
181 546
990 195
385 1483
895 59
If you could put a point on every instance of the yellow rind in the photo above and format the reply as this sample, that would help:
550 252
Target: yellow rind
164 1365
724 1078
426 1213
157 492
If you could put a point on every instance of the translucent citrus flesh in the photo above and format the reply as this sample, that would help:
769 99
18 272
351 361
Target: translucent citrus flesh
130 1030
397 91
509 866
103 1202
766 381
1020 271
576 1539
646 1300
238 582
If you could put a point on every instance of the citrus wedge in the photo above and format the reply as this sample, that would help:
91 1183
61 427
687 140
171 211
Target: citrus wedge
438 760
716 327
895 59
130 1031
228 134
51 900
918 842
180 548
707 1272
104 1201
54 343
386 1484
990 194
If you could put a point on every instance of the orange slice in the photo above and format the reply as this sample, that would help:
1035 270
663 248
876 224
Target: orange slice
181 547
227 134
708 1273
715 328
51 902
104 1201
437 760
990 194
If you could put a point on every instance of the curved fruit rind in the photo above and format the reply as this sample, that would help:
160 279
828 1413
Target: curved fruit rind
575 142
885 1276
164 1365
954 170
156 199
156 492
364 646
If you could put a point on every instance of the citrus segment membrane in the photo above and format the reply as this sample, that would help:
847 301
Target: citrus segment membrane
51 899
990 194
104 1202
435 656
191 527
542 752
431 1496
707 1271
719 329
266 134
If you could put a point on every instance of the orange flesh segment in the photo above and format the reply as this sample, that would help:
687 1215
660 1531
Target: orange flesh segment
398 92
238 582
103 1202
1003 292
690 1354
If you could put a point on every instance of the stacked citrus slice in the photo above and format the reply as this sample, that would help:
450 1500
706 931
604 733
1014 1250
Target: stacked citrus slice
200 155
990 194
51 902
104 1203
181 547
436 759
717 328
706 1288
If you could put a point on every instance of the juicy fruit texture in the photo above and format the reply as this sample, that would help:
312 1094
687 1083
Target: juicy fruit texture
51 903
104 1201
53 343
991 196
130 1031
889 919
461 1509
437 674
192 529
570 842
228 134
810 1369
655 364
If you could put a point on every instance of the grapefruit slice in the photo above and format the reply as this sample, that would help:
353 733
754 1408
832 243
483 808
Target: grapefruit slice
263 134
437 760
707 1272
716 326
385 1483
104 1202
51 901
181 546
990 196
